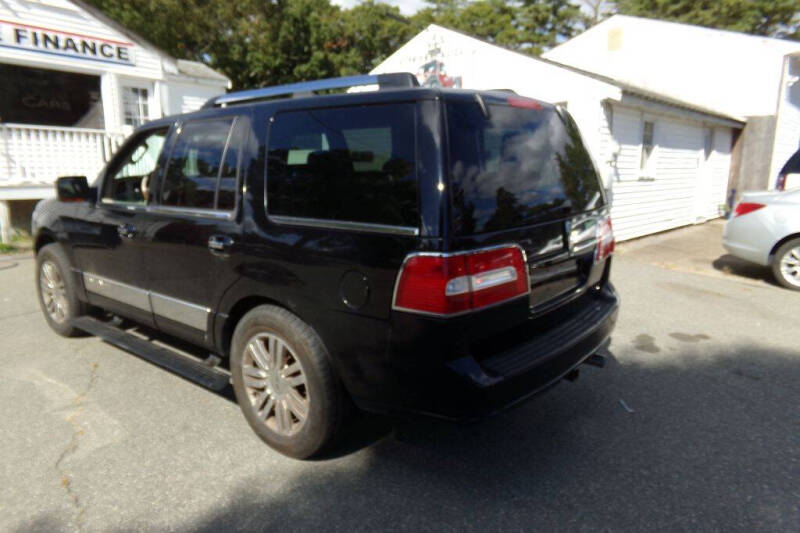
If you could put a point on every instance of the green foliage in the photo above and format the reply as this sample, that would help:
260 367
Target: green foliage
774 18
266 42
525 25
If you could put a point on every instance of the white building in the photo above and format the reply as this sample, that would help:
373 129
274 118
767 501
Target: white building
740 75
665 162
73 83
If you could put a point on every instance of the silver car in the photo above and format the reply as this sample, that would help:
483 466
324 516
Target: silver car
765 229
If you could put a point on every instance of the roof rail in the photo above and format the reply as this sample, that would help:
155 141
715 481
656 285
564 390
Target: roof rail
383 81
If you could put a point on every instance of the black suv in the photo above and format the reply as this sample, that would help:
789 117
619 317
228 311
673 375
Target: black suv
427 250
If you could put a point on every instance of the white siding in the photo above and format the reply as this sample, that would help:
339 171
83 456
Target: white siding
643 204
67 17
721 169
734 73
184 98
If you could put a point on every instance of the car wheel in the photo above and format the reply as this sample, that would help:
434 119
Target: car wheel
58 296
284 382
786 265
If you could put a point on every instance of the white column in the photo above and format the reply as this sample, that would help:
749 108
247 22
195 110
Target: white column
109 87
5 221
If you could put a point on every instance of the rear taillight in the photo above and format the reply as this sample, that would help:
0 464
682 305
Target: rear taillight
746 207
605 239
450 284
781 183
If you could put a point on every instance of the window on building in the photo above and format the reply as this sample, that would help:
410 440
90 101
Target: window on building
49 97
354 164
135 106
708 142
648 145
132 171
197 163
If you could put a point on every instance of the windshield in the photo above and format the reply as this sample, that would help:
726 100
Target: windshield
516 166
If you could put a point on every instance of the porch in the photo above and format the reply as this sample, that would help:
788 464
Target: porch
33 156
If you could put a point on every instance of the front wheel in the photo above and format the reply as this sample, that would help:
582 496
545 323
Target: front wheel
786 265
284 382
58 295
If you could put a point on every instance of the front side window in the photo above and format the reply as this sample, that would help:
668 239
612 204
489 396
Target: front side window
129 177
197 162
135 106
354 164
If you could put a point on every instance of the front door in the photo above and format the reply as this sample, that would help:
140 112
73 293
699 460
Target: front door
108 243
194 227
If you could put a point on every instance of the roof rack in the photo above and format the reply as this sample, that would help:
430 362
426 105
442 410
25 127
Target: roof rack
307 88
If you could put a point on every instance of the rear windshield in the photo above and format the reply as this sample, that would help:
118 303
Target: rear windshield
514 166
353 164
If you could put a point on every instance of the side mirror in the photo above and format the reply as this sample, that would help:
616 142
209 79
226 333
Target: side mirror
74 189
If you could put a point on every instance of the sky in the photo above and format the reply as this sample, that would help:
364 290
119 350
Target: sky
407 7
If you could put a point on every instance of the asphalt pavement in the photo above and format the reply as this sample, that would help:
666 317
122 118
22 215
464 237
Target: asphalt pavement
694 425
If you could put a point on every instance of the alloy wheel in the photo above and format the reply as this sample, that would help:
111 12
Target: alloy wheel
54 292
276 384
790 266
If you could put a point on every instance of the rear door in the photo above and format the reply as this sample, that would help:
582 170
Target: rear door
519 173
194 229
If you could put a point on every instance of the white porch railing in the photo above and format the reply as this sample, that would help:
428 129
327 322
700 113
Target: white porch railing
37 155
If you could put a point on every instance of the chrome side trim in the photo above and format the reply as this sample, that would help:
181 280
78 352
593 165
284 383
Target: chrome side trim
465 252
170 210
345 225
121 292
192 315
190 211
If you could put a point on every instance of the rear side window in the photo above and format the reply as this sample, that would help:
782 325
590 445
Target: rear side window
516 166
201 157
353 164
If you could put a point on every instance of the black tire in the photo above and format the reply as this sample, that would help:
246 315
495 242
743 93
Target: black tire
780 277
325 398
72 307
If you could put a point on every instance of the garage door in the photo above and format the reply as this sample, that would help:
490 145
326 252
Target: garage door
658 192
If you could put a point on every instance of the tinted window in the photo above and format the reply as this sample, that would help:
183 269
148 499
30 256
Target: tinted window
228 174
195 164
515 167
129 178
353 164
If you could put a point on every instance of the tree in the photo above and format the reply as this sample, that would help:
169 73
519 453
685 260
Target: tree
529 26
595 12
774 18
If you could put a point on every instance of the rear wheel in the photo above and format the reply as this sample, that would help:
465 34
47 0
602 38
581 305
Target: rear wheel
284 382
58 295
786 265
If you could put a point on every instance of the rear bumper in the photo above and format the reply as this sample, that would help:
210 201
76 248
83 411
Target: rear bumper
532 358
747 238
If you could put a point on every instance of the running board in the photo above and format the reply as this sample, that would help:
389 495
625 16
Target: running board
182 365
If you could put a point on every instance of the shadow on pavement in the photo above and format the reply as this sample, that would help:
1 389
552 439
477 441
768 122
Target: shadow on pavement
702 439
730 264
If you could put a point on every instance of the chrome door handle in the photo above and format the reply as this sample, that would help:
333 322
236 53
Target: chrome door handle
126 231
220 244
